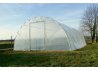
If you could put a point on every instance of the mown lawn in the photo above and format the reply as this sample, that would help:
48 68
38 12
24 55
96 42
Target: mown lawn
84 57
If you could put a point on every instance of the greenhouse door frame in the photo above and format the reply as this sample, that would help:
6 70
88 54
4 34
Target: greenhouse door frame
30 33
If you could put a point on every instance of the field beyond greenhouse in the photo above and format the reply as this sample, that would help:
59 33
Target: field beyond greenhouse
84 57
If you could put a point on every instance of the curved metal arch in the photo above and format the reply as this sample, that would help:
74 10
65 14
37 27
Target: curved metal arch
64 31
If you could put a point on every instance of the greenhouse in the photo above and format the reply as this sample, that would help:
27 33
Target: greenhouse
46 34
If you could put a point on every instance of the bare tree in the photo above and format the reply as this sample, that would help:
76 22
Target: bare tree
89 21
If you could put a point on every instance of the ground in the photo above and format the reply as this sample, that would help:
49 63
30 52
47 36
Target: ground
84 57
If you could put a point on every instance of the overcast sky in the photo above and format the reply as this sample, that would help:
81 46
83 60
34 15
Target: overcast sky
14 15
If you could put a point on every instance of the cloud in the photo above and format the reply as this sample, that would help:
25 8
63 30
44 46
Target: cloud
24 5
17 10
9 8
68 15
70 19
8 13
10 18
19 5
74 13
29 5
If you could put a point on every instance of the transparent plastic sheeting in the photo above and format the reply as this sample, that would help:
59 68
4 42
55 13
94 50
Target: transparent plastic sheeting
43 33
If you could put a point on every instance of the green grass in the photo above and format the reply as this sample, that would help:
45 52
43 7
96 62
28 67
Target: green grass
6 42
84 57
4 45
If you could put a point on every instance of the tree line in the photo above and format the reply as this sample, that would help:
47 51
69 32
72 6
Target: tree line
89 22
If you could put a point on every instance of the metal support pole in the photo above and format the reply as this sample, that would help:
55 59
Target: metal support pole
11 41
29 36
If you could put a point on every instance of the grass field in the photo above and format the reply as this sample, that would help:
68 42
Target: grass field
4 45
84 57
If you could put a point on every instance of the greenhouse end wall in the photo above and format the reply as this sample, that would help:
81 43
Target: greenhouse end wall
43 33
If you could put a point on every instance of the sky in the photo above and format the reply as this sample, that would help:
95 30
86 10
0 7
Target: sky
14 15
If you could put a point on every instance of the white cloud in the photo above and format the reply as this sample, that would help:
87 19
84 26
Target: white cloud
68 15
70 19
75 13
29 5
19 5
9 8
20 12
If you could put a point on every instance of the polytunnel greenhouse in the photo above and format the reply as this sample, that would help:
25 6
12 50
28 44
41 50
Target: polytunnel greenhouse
46 34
